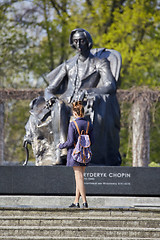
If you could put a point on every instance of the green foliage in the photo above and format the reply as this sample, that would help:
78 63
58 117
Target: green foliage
155 134
125 135
140 51
153 164
16 115
12 57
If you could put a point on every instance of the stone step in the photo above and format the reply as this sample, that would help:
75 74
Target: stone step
70 238
80 221
24 222
64 201
90 212
79 231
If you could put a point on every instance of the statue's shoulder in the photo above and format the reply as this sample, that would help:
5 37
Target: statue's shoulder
113 56
61 68
105 53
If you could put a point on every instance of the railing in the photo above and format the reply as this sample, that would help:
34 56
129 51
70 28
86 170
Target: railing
140 98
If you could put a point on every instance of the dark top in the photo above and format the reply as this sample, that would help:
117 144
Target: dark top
73 137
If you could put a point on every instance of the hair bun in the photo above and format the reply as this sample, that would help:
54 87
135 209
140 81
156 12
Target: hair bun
78 103
78 108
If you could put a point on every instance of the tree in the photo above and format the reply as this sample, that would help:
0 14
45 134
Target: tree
135 32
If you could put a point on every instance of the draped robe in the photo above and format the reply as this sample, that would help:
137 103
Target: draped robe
92 80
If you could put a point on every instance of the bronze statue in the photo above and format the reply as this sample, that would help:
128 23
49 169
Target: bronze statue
90 76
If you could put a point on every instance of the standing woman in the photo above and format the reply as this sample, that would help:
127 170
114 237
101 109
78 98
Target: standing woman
79 168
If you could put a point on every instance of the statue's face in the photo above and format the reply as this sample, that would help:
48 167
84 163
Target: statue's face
80 42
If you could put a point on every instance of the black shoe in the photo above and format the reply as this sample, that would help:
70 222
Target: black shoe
85 205
74 205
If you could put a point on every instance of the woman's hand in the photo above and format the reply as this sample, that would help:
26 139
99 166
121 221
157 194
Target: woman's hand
58 145
81 95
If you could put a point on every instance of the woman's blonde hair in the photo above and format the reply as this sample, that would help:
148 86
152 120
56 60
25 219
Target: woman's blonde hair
78 108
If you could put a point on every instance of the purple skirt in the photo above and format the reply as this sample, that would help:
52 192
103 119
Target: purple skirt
71 162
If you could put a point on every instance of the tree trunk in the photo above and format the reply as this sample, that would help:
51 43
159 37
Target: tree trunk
1 133
140 132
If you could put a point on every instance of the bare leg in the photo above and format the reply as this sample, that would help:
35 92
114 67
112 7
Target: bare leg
77 197
80 188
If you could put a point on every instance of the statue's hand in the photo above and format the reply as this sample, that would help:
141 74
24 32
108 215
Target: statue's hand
50 102
81 95
90 98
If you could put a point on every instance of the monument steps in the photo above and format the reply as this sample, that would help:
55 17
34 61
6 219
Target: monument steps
94 223
80 221
72 238
101 232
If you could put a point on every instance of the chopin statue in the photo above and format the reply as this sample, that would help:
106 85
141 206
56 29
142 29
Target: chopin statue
90 76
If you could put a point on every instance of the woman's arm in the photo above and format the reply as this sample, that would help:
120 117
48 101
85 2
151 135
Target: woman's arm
70 138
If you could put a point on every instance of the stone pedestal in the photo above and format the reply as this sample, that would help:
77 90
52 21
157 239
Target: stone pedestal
99 181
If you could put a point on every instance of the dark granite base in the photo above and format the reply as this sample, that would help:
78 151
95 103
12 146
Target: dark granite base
59 180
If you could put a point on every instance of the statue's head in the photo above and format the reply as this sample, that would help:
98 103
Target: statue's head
80 33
